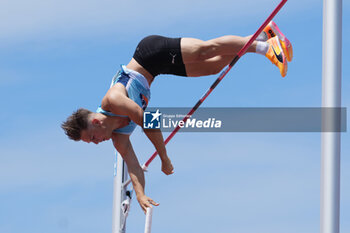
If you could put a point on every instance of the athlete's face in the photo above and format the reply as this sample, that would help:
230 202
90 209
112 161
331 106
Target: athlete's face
98 132
95 133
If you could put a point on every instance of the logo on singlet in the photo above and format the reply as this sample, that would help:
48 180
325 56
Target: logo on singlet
173 55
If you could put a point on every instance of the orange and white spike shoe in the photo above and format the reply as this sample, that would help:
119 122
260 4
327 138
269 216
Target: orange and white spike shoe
276 56
272 30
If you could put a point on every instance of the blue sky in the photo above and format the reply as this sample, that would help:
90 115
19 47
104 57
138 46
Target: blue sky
56 56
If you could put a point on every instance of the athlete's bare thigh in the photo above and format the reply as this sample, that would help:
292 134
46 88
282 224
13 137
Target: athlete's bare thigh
190 49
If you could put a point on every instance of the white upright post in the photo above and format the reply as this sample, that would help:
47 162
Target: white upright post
148 223
119 194
331 97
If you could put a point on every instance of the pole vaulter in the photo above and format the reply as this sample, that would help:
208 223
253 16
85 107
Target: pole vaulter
122 107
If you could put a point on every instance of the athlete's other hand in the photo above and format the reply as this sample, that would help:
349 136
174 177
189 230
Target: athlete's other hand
167 167
146 202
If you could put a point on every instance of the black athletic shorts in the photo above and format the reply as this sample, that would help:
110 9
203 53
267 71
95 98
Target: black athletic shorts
160 55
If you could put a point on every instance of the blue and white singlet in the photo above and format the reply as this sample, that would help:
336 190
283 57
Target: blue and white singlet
138 90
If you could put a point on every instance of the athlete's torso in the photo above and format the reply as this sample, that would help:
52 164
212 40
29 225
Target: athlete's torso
137 89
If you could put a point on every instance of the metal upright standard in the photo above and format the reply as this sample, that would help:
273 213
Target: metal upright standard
121 196
331 98
148 223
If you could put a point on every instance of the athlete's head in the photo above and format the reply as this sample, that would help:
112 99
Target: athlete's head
91 127
75 123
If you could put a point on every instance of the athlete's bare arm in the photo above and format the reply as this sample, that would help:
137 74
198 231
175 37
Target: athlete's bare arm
123 145
117 102
156 137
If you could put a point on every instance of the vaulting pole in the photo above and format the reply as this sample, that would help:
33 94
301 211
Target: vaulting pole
221 76
331 97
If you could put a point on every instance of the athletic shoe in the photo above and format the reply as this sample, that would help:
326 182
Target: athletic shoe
271 30
276 56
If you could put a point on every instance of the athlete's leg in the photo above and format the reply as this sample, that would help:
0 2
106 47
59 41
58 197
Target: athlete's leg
195 50
208 67
209 57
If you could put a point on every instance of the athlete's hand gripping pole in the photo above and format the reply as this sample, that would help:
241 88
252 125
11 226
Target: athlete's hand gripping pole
222 75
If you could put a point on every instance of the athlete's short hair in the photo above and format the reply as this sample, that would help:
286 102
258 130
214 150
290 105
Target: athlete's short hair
75 123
